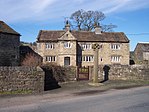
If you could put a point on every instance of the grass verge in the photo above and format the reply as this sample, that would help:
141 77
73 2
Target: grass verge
15 92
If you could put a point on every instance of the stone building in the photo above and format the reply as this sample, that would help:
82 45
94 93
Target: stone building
9 45
74 48
141 53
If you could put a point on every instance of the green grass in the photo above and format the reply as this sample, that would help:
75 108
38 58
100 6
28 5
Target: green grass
16 92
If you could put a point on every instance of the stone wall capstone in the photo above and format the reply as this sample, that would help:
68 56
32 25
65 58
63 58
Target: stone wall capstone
21 78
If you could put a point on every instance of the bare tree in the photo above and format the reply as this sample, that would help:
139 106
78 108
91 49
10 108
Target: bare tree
85 20
108 28
31 60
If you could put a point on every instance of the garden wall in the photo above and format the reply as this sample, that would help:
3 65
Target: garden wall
140 72
125 72
21 79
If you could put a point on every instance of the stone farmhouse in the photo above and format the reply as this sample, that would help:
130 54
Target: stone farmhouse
9 45
74 48
141 53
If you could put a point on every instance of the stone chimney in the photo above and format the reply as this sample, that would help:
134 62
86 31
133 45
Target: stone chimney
97 28
67 26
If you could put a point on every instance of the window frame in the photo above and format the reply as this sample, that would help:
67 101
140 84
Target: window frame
87 58
115 46
49 45
50 58
67 44
115 59
86 46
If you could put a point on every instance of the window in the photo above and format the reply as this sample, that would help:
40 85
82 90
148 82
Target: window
115 58
115 46
67 45
66 61
49 45
86 46
50 58
88 58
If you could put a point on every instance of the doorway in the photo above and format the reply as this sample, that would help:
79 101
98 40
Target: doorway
66 61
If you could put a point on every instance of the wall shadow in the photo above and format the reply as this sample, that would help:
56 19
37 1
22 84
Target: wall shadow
50 82
79 53
106 69
131 62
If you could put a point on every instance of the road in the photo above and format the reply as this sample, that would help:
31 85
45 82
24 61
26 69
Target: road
128 100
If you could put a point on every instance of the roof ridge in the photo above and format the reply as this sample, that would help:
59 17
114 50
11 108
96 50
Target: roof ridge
52 30
143 42
7 29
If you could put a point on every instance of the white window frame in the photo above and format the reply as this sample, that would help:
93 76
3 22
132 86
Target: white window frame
49 45
116 59
89 58
50 58
115 46
67 44
86 46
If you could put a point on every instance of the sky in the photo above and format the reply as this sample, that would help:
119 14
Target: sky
28 17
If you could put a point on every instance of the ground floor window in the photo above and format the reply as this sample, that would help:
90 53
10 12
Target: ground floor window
89 58
51 58
115 58
66 61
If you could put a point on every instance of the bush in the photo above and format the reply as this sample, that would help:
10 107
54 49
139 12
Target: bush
58 72
31 60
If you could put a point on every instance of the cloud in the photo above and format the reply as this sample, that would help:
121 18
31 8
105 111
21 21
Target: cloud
17 10
37 10
126 5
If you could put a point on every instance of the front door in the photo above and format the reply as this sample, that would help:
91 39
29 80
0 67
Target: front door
66 61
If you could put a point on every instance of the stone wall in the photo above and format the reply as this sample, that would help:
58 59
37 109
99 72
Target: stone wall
124 72
22 79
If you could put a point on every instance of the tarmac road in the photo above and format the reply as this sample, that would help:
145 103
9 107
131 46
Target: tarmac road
128 100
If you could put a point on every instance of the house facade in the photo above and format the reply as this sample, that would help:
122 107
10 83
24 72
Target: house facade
141 53
9 45
74 48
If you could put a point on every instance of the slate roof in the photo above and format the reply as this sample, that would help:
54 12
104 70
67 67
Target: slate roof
4 28
143 46
83 36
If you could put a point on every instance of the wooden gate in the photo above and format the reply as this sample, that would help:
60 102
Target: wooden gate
83 73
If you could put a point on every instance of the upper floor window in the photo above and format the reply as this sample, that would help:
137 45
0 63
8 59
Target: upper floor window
67 44
115 58
51 58
115 46
86 46
49 45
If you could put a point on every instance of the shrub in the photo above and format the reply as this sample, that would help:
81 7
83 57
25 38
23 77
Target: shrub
31 60
58 72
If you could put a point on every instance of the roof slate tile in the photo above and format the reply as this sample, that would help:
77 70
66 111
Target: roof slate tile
45 35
